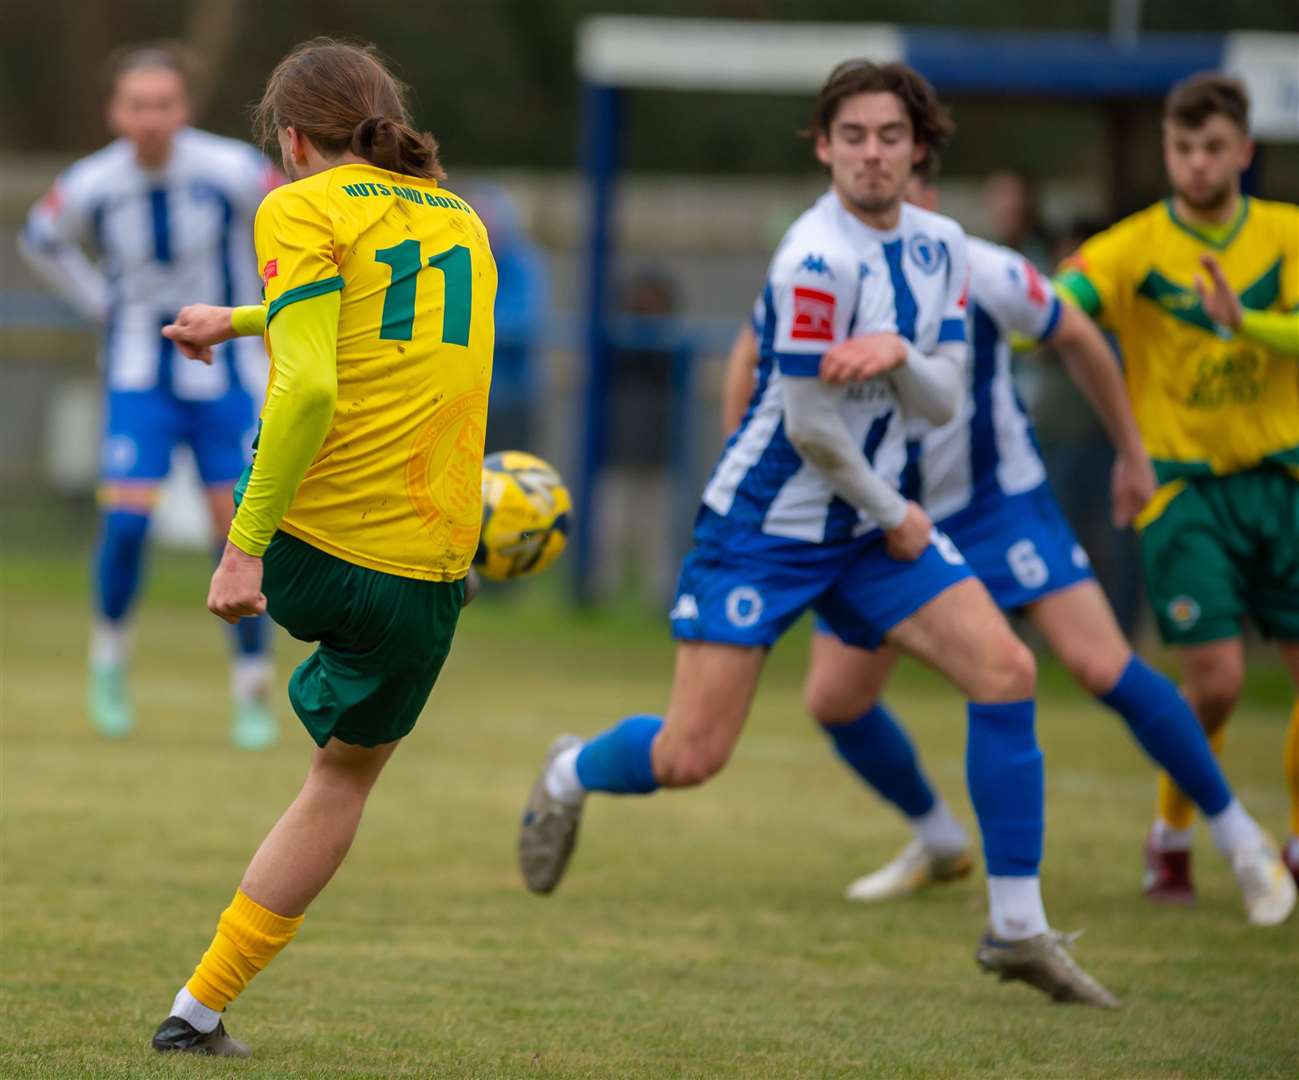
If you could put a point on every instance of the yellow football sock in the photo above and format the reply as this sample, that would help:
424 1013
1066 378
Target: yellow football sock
247 938
1292 768
1175 809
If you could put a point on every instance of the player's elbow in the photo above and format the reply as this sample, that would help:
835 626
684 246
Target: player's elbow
813 442
35 248
313 399
1075 331
941 408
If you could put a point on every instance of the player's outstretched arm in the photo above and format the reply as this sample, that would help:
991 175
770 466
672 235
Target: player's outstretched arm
737 382
199 327
299 410
1094 369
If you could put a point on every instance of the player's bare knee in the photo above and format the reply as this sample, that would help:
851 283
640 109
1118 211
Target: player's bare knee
689 764
1096 671
1009 675
1213 687
1213 699
828 704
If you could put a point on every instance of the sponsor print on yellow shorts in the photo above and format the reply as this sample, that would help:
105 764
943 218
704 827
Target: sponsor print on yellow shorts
1206 402
396 486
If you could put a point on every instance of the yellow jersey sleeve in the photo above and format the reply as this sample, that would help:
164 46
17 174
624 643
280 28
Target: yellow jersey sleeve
294 237
1094 277
1290 265
1278 330
248 320
296 418
1277 324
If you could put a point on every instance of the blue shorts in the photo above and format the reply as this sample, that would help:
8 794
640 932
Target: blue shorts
736 598
145 425
1020 546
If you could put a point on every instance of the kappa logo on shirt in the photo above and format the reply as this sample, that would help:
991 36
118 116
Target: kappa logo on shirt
272 269
813 315
816 264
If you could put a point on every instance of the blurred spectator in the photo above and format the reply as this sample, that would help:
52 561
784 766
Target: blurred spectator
1011 204
634 518
521 306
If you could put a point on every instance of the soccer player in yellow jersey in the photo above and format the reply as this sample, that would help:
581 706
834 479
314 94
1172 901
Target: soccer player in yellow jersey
1202 291
360 514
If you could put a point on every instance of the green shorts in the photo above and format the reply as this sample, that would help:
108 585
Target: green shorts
383 640
1226 547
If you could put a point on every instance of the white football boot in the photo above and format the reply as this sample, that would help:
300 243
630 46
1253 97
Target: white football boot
914 869
1266 886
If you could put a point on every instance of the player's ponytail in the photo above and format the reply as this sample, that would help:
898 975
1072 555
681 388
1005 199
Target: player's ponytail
342 98
392 145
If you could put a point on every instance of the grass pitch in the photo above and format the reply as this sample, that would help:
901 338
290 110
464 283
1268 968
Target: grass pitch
698 934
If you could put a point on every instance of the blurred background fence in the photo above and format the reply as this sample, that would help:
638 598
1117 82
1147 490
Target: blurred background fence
634 199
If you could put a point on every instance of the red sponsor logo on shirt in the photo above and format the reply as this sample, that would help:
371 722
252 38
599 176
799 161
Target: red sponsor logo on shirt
813 315
1036 284
272 268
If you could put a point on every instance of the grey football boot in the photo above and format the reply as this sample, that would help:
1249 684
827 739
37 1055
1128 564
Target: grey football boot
1043 961
548 833
175 1035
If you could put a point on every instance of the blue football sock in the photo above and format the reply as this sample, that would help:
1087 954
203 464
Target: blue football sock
250 635
1003 768
1169 732
118 560
878 750
618 760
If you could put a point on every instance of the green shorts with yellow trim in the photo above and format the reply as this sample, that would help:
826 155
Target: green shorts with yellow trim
1225 547
382 641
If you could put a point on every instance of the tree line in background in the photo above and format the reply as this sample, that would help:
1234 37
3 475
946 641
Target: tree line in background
494 80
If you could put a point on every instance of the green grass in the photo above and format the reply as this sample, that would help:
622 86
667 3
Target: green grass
699 934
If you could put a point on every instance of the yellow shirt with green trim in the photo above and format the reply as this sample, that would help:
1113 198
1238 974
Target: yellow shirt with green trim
1206 402
397 484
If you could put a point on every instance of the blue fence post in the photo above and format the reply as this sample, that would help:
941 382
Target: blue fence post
684 492
600 166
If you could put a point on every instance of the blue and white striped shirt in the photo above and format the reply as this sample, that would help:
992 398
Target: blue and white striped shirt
160 239
832 278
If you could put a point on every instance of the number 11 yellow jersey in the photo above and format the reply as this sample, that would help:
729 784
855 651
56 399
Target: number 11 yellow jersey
397 484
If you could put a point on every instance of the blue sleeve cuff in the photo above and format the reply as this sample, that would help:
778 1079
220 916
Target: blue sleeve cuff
800 365
1053 320
951 330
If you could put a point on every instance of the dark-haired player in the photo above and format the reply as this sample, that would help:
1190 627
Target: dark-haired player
1213 376
983 480
803 511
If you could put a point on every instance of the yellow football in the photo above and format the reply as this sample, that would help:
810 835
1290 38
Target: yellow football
526 508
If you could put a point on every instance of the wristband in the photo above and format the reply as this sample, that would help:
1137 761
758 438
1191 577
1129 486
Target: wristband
249 320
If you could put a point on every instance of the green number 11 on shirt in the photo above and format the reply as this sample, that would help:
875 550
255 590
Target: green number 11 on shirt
399 298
